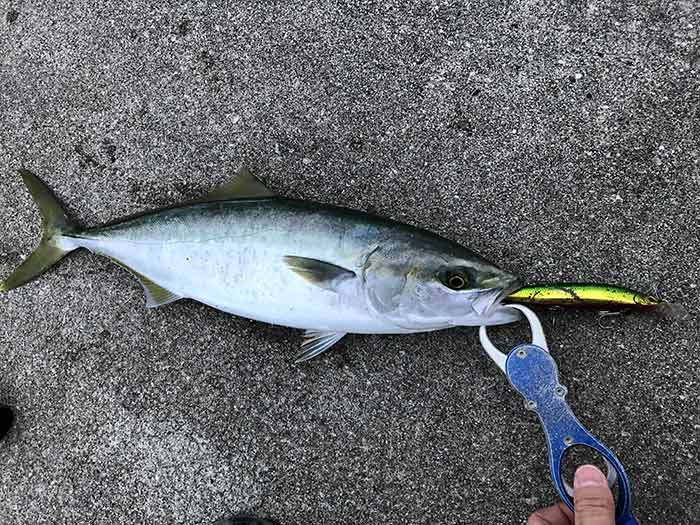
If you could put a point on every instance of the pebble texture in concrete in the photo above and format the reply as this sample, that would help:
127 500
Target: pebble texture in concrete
559 139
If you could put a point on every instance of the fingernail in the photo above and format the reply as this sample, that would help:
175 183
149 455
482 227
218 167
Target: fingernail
589 476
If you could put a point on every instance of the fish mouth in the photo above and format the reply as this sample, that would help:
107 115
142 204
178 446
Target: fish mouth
490 299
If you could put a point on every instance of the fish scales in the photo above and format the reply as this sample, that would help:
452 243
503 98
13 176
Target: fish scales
228 254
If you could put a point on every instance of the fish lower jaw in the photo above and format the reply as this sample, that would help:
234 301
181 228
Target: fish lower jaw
495 316
499 296
487 301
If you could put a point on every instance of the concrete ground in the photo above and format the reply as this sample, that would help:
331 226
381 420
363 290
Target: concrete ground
559 139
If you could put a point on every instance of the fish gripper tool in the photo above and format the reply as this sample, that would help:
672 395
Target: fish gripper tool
533 373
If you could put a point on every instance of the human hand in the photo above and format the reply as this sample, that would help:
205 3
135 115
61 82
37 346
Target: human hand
593 501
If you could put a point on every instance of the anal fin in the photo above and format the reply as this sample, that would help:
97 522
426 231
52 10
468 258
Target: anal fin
156 295
316 342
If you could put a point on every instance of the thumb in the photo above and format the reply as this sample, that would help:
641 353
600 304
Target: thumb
593 500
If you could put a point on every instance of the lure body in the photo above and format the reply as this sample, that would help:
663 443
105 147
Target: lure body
601 296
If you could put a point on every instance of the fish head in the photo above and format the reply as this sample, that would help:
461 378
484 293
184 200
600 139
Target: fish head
424 289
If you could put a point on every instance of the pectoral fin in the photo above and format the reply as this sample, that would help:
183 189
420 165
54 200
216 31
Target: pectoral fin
244 185
316 342
322 274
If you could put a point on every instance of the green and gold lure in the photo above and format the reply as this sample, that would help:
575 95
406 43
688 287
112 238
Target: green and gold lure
599 296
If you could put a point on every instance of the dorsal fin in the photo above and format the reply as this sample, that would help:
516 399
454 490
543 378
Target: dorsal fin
244 185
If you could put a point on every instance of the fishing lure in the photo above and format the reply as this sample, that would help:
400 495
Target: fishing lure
600 296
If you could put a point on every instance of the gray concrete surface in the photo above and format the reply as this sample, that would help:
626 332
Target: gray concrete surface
559 139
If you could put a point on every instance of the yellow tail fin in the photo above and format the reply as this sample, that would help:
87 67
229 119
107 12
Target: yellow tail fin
54 224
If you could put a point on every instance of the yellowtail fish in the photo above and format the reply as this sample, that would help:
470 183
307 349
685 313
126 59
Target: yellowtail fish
325 269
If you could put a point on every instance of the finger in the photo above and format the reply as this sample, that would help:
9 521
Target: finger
593 500
555 515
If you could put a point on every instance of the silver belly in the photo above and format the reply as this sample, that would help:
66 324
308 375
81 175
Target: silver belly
247 278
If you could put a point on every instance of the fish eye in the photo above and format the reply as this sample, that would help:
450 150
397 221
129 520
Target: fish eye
456 282
455 279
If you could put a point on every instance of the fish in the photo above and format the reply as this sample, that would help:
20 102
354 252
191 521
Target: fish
608 297
247 251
